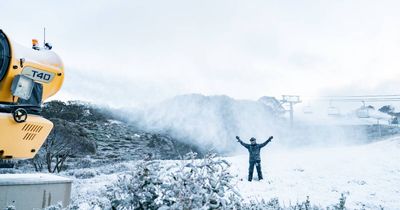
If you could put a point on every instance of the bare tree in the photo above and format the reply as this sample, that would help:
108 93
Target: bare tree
65 140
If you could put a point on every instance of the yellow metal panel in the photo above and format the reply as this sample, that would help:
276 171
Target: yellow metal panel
22 140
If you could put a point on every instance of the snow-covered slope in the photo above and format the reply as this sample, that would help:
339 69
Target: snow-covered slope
367 174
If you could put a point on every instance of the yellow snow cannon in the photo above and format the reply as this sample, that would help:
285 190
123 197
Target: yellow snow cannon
28 76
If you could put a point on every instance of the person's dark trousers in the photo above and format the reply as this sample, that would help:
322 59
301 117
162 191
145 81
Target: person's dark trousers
257 163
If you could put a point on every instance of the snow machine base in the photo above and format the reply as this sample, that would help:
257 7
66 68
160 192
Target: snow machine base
22 140
33 191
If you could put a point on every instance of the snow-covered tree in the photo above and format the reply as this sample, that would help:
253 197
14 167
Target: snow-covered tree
138 189
65 140
192 184
200 184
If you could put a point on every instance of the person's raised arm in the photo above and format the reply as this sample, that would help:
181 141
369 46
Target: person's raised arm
241 142
266 142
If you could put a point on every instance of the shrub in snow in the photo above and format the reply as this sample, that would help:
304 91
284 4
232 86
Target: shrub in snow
10 207
7 171
84 173
202 183
306 205
57 206
341 205
84 163
273 204
192 184
138 189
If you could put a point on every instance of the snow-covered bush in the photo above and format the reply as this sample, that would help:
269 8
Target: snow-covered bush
274 204
83 163
10 207
84 173
202 183
57 206
191 184
7 171
138 189
341 205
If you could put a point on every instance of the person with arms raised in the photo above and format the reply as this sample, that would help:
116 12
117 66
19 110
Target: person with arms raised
254 155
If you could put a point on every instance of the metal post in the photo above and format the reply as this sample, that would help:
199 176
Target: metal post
379 128
44 37
291 100
291 114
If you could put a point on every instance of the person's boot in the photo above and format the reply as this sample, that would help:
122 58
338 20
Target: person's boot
260 176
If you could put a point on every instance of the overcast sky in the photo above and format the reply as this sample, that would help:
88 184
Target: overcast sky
132 52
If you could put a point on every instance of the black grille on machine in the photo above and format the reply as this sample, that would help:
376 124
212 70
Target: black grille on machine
31 131
5 55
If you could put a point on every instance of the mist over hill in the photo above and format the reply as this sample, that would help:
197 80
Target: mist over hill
112 138
194 122
212 122
209 121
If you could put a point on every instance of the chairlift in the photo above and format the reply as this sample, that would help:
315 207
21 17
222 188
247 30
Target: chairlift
307 110
362 112
333 111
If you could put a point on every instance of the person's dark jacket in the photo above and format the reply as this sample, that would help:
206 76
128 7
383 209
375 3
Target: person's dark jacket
254 149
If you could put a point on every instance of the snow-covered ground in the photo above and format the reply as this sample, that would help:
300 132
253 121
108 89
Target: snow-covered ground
367 175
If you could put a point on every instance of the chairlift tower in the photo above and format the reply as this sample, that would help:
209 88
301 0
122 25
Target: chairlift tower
291 100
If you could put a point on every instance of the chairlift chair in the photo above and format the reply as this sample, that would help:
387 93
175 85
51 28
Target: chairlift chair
307 110
333 111
362 113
